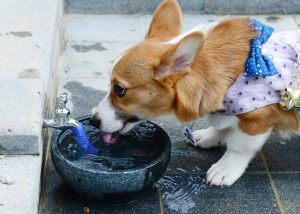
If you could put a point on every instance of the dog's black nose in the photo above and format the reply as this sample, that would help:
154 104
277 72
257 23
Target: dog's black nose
95 121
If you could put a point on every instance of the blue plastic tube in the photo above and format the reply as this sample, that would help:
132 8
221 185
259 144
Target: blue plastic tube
83 140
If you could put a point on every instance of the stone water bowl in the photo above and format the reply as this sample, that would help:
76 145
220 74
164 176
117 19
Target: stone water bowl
118 173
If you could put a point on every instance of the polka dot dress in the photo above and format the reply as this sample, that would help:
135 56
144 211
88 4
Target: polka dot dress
262 86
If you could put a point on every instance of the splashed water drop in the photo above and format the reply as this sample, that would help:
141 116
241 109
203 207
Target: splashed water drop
179 191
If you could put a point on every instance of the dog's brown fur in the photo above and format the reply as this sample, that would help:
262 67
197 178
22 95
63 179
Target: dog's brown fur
259 121
158 28
215 69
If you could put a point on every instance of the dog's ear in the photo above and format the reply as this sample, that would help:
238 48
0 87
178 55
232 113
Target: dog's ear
175 63
166 22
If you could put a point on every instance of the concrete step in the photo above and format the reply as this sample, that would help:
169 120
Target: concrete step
19 183
21 116
187 6
30 36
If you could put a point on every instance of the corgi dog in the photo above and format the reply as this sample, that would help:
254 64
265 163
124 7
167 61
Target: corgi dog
178 78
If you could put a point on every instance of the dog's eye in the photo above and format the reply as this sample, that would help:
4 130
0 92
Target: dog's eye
120 91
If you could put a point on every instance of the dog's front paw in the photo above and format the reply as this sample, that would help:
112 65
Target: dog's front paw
224 174
210 137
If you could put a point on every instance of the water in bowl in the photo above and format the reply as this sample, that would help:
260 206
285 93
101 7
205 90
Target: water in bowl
139 147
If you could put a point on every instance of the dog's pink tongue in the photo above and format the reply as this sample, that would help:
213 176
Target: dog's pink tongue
109 138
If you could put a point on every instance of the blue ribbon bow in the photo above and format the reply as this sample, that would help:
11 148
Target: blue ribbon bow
258 64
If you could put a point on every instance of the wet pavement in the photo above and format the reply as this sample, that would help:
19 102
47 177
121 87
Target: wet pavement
271 183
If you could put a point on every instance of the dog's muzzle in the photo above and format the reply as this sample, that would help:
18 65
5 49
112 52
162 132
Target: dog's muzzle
95 121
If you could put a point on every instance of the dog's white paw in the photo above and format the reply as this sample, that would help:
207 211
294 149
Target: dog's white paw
222 176
241 148
210 137
225 173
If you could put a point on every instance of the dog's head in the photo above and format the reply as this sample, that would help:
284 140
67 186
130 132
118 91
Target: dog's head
143 79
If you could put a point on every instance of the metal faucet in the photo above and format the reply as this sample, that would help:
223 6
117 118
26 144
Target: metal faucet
61 120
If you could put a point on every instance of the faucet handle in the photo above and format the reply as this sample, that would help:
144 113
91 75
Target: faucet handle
63 99
63 111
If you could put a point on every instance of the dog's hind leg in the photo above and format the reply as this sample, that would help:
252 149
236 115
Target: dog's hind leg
241 148
210 137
